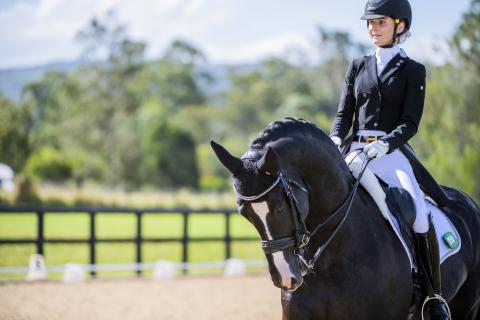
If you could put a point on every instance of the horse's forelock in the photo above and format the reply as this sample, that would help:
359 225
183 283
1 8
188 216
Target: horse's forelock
249 181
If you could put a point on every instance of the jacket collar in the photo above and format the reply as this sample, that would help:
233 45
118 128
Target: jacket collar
371 66
393 65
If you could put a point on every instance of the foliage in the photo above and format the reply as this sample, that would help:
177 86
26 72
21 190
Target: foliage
466 40
169 156
49 164
129 123
449 139
14 134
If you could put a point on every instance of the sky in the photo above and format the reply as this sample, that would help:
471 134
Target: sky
35 32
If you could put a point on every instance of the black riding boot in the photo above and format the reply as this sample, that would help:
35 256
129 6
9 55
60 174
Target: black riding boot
430 258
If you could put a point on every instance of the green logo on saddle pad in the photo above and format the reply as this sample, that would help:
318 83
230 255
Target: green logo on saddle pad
450 240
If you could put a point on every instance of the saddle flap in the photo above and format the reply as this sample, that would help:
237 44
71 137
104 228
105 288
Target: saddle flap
402 207
401 202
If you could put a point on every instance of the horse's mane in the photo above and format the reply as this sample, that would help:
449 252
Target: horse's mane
284 127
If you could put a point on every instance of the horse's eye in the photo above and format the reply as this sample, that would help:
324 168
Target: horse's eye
281 208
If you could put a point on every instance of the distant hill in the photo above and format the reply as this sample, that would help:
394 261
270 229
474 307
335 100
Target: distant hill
13 80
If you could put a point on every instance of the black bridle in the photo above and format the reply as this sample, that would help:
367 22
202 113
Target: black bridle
302 235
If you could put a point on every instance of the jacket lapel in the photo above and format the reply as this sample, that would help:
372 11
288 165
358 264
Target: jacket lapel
371 66
392 66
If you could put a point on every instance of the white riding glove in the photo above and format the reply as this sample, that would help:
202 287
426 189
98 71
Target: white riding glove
376 149
337 141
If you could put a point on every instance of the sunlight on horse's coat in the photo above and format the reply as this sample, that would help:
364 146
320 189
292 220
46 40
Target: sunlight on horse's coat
261 210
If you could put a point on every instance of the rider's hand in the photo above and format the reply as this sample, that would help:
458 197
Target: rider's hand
337 141
376 149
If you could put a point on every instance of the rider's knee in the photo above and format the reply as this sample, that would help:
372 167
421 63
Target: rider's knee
421 224
355 162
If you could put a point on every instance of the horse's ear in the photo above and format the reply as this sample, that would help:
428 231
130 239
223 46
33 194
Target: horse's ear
269 164
230 162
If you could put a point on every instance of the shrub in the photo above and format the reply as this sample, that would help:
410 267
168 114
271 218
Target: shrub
49 164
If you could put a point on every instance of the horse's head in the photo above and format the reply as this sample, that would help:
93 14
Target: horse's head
291 170
275 201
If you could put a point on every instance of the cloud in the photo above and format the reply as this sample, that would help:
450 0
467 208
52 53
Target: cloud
45 30
40 31
280 44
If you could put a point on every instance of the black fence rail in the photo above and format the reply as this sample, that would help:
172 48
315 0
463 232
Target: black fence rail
138 240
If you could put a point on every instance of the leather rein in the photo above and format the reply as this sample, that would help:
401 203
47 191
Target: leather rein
302 236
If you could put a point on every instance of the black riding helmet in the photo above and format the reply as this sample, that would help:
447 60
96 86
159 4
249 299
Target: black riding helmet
398 10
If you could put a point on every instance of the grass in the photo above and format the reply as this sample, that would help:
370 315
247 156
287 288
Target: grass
76 226
91 194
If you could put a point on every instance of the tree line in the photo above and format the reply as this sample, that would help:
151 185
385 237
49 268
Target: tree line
124 121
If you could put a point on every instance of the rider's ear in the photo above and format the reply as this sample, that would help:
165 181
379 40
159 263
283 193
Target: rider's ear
269 164
230 162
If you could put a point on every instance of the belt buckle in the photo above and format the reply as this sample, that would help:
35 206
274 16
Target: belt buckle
371 139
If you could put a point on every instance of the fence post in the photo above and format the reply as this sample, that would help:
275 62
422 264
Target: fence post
40 232
228 239
93 257
185 242
138 242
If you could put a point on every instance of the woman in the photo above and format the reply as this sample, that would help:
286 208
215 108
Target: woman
385 92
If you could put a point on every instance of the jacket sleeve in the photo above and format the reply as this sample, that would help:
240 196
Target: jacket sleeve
412 108
346 108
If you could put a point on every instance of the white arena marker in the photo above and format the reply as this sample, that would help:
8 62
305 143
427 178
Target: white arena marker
234 267
163 270
37 269
73 273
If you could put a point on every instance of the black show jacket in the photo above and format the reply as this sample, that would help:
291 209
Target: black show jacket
391 102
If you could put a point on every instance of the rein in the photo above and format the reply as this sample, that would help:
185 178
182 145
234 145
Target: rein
351 196
302 235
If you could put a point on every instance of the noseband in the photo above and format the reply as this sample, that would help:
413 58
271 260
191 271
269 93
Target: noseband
302 235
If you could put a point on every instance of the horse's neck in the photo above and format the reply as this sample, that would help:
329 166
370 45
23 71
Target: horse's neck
364 223
330 186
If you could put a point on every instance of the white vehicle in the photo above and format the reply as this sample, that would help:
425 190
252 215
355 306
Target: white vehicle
6 178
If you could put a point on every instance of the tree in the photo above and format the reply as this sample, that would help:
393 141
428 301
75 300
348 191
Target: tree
169 158
176 78
264 94
466 40
110 97
15 137
449 141
336 49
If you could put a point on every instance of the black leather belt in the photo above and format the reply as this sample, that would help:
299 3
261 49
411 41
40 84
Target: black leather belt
366 139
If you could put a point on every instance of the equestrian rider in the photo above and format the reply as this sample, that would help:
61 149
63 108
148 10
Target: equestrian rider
385 92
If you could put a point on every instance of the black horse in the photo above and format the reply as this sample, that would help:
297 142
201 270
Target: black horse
295 188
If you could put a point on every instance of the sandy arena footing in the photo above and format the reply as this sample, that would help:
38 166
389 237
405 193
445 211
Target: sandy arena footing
249 297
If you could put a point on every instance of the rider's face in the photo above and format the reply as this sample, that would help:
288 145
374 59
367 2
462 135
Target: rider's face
381 30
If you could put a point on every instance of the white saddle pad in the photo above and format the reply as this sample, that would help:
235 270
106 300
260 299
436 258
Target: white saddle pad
449 241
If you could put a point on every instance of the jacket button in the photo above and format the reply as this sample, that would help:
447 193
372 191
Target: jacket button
376 124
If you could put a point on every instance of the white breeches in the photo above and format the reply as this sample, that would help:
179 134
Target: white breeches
395 170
